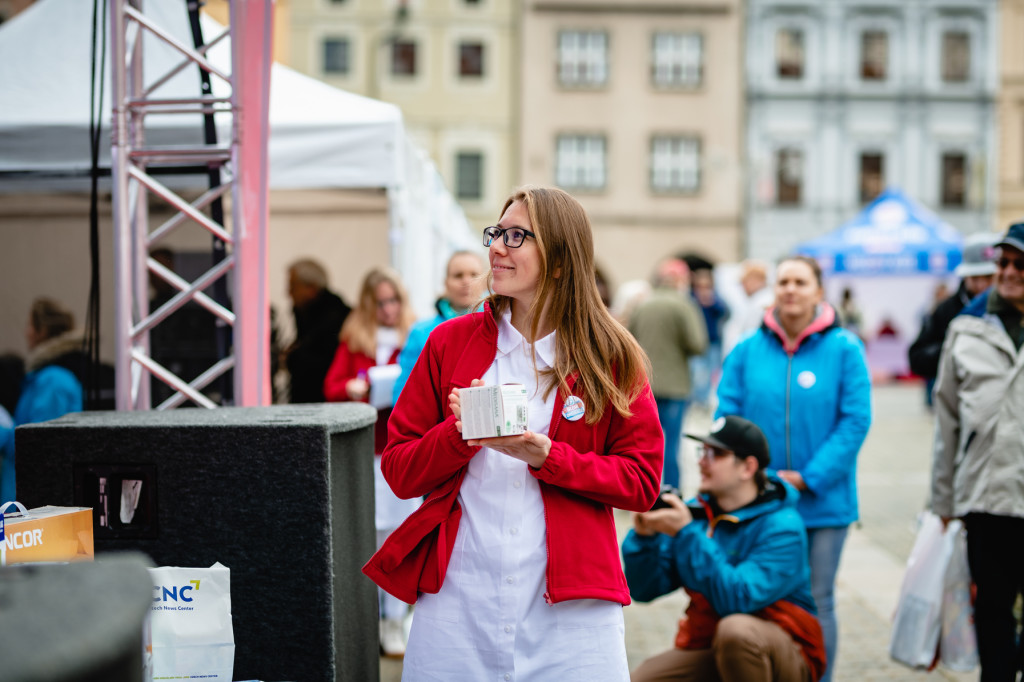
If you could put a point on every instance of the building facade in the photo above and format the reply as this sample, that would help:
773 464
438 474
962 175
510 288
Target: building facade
450 65
636 109
1010 108
846 97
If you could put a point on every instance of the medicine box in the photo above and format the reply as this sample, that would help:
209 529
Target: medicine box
492 411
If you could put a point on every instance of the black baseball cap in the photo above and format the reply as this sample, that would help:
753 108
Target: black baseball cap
1014 237
738 435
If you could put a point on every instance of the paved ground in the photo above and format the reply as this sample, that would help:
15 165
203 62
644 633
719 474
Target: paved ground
893 482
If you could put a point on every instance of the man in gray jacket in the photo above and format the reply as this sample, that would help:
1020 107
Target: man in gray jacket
669 327
978 467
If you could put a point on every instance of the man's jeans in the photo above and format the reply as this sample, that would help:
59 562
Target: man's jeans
671 413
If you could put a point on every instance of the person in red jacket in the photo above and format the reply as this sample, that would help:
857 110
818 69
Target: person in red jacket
512 561
372 336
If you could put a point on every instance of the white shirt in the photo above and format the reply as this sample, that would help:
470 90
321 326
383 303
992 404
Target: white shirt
490 620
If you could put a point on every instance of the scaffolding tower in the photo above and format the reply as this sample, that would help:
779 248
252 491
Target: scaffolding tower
238 169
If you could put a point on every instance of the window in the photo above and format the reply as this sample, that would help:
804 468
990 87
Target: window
874 55
582 58
678 60
954 179
336 56
403 58
471 60
789 176
469 176
580 161
872 175
956 56
789 54
675 164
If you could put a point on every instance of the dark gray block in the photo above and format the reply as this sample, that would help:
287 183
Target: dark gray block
283 496
78 622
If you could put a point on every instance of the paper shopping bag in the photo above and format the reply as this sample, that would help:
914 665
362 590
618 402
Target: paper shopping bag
190 624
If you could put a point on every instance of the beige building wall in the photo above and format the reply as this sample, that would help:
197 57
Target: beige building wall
445 113
635 225
218 9
1010 112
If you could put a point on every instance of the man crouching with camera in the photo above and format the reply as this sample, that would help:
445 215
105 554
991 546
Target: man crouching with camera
740 551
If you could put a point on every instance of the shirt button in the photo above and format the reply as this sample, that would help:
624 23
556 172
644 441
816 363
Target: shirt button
510 580
508 628
508 676
513 531
517 484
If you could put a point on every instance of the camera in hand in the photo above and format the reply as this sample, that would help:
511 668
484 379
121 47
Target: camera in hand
662 504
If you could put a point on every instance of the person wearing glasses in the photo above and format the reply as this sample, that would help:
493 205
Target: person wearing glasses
512 561
739 550
978 461
372 336
804 380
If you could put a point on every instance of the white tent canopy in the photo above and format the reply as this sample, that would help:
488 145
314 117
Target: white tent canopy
321 137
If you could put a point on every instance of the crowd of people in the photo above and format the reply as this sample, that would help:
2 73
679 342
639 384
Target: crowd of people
507 546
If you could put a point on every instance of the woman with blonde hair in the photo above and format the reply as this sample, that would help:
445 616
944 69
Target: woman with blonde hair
373 335
513 560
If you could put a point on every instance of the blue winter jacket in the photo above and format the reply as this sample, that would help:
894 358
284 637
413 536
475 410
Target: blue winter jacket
46 393
812 399
756 556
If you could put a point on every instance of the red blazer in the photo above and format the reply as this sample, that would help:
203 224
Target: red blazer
590 469
347 365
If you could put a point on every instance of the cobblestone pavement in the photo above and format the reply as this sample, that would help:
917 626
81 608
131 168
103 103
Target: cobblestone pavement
893 485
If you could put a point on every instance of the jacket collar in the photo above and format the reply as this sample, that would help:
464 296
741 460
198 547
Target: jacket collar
776 495
824 319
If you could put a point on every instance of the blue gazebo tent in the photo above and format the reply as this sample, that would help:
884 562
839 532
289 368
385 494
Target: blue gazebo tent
893 235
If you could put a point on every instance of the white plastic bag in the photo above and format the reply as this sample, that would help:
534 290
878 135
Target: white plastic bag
190 623
959 648
918 621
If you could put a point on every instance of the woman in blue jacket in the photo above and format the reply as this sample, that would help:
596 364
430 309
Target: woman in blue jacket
804 380
52 387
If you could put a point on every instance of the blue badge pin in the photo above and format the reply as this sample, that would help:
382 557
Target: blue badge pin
573 409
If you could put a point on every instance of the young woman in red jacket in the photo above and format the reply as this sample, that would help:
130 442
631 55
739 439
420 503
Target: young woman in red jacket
513 561
373 335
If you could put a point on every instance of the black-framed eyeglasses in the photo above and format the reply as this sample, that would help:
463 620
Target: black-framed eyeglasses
512 236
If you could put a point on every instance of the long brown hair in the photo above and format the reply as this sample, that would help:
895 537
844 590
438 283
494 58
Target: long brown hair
360 328
612 367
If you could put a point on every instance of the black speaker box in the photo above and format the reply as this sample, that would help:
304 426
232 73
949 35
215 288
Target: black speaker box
282 496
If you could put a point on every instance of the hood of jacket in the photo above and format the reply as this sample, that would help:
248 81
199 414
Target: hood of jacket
978 306
55 351
825 318
777 494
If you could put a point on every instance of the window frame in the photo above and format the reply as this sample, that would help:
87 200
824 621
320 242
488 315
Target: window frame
340 40
481 166
946 155
862 184
393 62
777 62
677 59
676 164
583 64
800 156
581 169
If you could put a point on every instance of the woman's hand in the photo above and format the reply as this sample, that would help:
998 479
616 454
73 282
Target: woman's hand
357 388
794 478
455 403
532 448
668 520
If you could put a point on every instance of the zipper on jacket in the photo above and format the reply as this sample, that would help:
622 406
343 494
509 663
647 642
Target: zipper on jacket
789 384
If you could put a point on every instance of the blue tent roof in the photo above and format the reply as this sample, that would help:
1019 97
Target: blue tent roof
893 235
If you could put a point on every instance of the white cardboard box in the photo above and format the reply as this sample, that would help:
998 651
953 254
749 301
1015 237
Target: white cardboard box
492 411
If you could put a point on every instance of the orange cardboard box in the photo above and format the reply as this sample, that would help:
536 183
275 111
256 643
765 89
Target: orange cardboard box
48 534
